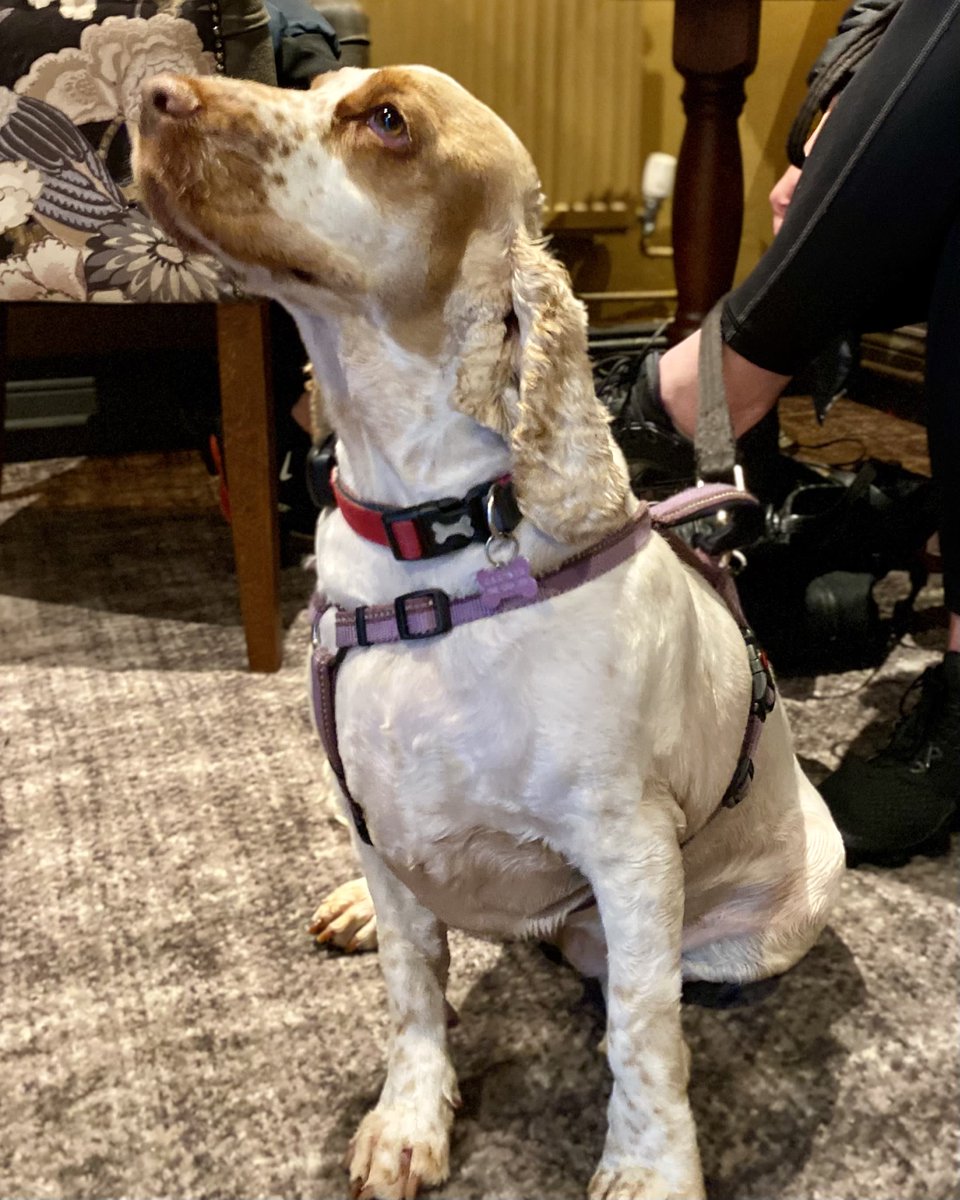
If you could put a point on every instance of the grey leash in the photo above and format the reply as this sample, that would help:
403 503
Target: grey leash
714 445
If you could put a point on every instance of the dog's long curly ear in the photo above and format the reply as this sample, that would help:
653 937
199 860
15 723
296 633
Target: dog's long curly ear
570 477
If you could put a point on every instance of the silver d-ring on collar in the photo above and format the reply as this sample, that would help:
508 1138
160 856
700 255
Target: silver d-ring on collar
501 548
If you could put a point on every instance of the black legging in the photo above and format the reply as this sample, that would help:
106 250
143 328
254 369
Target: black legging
871 239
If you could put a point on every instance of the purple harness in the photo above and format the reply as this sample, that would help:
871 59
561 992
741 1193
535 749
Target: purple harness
430 613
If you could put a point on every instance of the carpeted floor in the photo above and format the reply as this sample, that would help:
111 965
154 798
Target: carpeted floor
167 1027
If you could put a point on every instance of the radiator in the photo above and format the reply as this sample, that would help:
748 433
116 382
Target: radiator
565 74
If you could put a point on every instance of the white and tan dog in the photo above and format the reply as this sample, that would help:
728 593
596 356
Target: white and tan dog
515 767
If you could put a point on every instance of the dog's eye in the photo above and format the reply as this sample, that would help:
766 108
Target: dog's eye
388 124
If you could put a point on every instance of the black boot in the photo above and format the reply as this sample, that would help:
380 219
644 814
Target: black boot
662 462
660 459
903 801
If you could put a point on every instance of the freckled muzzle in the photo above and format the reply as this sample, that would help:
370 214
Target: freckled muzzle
170 153
200 141
205 156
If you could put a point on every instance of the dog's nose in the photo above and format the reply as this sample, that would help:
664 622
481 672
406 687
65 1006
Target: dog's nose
171 96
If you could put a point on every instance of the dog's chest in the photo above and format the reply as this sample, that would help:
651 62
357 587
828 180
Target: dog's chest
460 788
491 883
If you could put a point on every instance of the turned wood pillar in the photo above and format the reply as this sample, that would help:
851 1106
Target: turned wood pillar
714 49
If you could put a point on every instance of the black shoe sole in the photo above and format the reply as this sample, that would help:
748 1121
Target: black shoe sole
934 846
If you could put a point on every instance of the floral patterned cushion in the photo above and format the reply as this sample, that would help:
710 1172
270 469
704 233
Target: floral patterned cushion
70 76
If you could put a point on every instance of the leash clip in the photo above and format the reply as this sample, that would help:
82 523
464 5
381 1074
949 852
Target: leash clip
738 482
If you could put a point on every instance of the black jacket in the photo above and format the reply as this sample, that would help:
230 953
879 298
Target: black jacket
859 31
860 26
304 42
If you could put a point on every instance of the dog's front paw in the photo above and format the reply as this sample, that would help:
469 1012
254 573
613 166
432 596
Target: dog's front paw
396 1151
346 918
636 1182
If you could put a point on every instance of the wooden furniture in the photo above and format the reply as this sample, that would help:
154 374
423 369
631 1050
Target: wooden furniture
239 335
246 408
715 50
71 236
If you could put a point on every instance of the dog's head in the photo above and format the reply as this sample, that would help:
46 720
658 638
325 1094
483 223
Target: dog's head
370 184
398 194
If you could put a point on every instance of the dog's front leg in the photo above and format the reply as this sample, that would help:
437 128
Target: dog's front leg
405 1140
634 865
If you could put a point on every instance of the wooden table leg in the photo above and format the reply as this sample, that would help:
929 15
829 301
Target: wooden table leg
714 49
246 401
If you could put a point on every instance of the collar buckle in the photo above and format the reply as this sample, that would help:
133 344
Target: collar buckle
440 526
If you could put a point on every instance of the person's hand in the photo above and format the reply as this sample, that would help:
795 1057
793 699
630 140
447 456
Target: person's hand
783 189
782 194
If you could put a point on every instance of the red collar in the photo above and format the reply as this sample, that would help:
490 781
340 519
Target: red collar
435 528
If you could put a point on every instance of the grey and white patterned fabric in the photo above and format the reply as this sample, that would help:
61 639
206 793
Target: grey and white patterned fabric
70 76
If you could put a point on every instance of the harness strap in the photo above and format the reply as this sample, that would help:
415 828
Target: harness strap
431 612
326 665
701 501
763 694
432 607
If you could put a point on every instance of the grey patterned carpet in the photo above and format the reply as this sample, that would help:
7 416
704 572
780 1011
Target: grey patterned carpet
167 1027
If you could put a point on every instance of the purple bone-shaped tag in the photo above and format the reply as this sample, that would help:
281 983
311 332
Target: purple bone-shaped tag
511 581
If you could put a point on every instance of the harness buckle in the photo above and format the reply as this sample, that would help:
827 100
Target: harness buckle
764 693
441 614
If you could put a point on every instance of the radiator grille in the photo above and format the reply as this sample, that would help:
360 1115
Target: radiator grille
565 74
